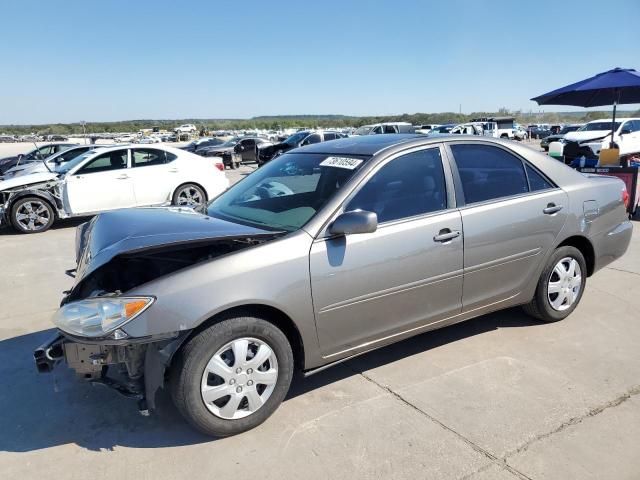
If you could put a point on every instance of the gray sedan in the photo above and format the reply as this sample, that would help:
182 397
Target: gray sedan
327 252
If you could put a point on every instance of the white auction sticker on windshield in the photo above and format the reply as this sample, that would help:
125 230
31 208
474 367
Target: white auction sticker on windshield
341 162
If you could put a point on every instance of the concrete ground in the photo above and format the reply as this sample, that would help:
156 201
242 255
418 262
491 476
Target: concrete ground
498 397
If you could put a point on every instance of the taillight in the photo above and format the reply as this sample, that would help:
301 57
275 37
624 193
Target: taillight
625 197
219 166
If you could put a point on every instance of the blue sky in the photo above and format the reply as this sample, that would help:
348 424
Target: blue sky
65 61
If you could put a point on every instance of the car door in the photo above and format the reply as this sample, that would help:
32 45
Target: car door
406 274
511 214
248 150
101 183
153 175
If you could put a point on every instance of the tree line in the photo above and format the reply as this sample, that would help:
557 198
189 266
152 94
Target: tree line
293 121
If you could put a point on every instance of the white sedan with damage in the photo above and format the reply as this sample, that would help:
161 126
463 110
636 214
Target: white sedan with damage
109 179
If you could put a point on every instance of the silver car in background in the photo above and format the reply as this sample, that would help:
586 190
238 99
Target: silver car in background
327 252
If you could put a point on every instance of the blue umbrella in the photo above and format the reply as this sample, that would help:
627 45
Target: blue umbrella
617 86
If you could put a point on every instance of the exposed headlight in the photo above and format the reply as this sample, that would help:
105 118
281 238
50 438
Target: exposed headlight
99 316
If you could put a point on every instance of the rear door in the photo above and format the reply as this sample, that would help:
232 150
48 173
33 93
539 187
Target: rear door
507 232
371 287
153 175
102 183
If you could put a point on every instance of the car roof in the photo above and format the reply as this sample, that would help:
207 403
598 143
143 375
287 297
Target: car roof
623 119
369 145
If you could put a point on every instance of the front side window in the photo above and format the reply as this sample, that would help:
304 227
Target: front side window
390 129
107 161
488 172
285 193
410 185
146 157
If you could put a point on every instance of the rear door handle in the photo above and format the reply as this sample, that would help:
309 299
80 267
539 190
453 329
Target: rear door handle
446 235
174 170
551 209
123 177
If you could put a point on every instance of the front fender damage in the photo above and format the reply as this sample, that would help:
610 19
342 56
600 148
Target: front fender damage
50 191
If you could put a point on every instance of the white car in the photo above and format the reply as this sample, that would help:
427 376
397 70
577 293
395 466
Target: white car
107 179
596 135
186 128
49 164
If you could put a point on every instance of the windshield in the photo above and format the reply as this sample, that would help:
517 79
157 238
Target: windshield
231 142
362 130
287 192
606 125
72 163
296 138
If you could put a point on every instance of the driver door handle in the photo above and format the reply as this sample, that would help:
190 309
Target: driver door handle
551 209
445 235
124 176
174 170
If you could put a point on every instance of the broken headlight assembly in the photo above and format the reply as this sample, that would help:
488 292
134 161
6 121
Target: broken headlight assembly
100 316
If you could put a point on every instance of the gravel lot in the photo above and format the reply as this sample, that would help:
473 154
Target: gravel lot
497 397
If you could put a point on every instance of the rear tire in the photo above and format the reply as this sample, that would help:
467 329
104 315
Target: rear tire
189 195
237 401
548 305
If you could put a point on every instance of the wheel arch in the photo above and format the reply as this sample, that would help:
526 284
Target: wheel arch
197 184
50 199
266 312
586 248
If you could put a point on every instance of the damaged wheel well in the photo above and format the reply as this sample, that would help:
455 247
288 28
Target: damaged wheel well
268 313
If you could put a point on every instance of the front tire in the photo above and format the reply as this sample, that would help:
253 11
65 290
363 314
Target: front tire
560 286
32 215
232 376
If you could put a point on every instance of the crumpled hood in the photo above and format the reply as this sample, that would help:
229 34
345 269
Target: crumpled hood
129 230
25 180
586 135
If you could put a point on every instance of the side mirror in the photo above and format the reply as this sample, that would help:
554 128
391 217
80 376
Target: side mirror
350 223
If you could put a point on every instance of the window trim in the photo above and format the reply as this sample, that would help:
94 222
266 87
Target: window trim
450 192
462 203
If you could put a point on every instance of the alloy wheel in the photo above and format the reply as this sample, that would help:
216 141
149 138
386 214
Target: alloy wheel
33 215
239 378
565 283
190 196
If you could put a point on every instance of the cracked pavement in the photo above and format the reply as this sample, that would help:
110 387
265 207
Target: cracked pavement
497 397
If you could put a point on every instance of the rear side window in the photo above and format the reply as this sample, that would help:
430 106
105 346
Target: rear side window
536 180
489 172
146 157
407 186
329 136
313 138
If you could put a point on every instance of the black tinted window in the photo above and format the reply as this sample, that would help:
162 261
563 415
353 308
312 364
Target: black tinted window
489 172
536 180
145 157
329 136
105 162
409 185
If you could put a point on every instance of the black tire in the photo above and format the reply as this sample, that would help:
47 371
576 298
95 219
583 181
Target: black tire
188 368
39 226
175 200
540 306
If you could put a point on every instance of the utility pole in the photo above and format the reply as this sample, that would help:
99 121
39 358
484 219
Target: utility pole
84 131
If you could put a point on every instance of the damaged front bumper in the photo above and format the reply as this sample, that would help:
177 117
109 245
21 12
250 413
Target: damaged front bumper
134 369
